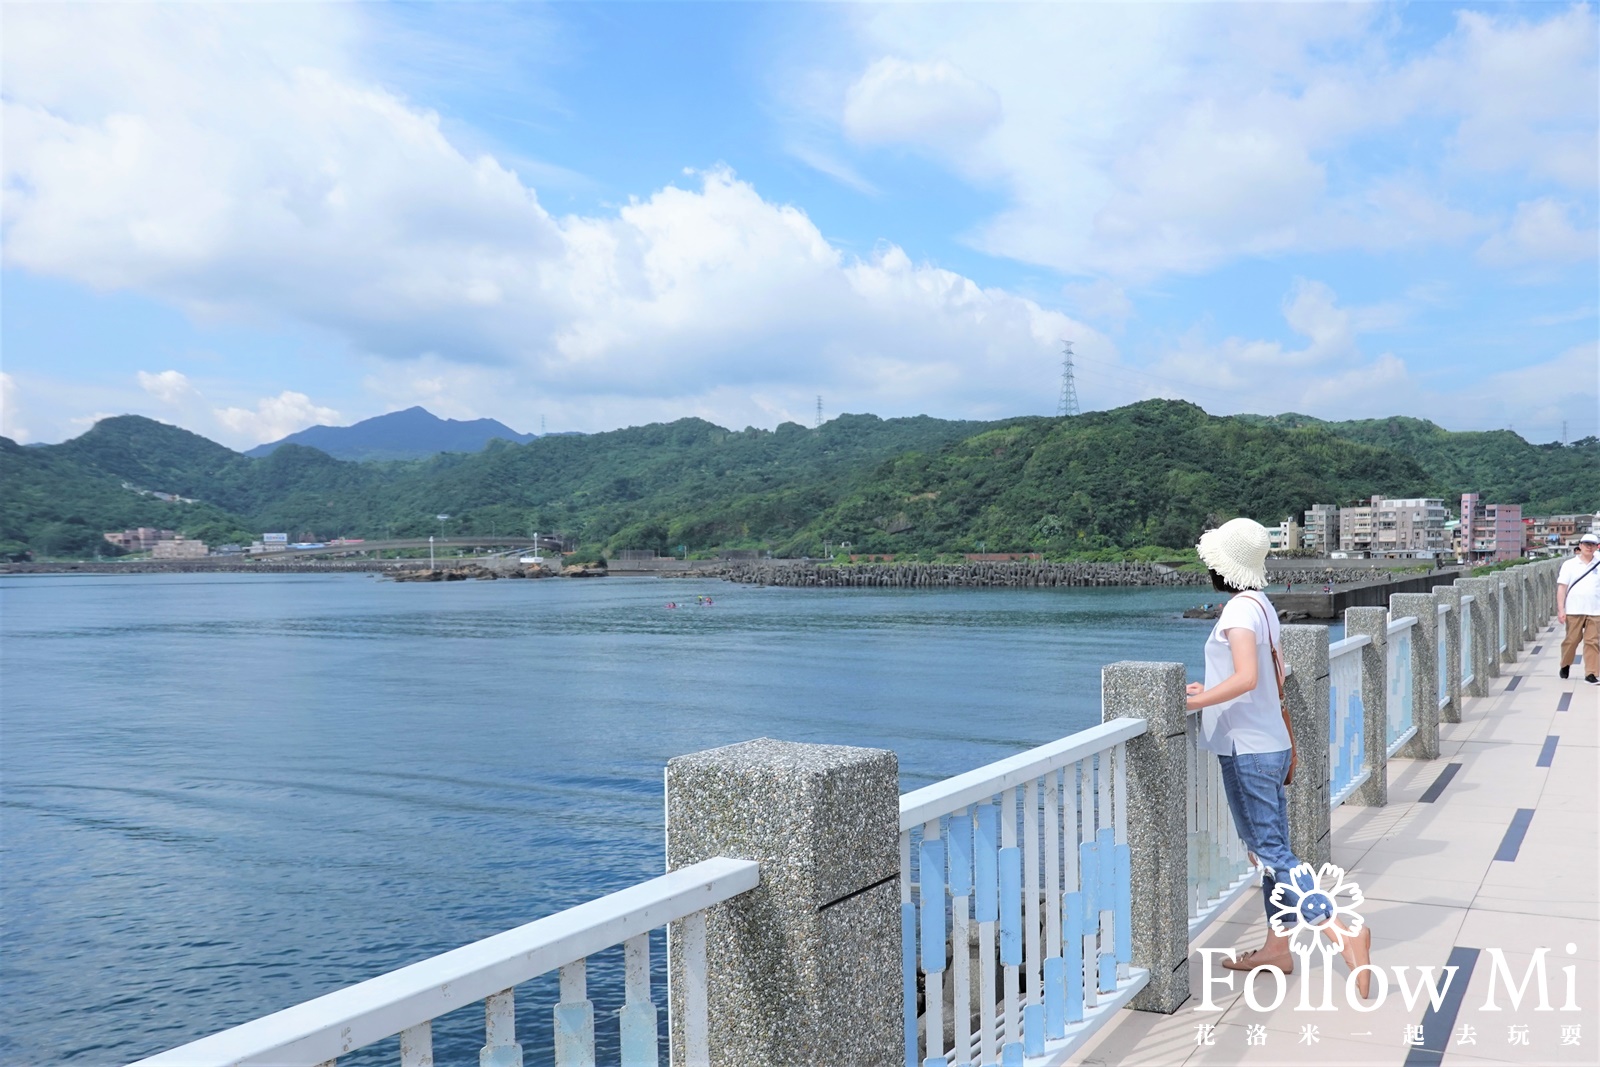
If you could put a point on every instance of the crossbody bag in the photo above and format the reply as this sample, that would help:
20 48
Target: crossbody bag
1278 675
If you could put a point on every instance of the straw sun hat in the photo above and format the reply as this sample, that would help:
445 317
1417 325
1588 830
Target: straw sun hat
1237 550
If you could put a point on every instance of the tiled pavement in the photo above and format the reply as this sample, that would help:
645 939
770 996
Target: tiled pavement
1440 876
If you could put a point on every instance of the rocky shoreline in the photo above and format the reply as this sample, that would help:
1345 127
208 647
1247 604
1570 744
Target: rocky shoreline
998 575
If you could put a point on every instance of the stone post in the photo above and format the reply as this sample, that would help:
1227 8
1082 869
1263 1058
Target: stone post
1484 665
1424 672
1530 602
1373 623
805 967
1158 783
1451 596
1508 594
1305 651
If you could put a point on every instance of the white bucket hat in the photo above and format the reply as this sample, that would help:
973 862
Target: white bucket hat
1237 550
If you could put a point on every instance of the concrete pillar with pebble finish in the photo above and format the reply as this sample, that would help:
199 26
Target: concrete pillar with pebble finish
1157 829
1305 652
1373 623
1424 672
804 968
1485 632
1450 596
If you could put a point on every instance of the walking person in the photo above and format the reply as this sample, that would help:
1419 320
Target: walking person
1578 608
1244 722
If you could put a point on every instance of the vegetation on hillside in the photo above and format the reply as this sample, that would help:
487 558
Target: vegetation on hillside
1099 485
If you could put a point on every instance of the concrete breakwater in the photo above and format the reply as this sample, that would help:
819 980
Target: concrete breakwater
934 575
998 575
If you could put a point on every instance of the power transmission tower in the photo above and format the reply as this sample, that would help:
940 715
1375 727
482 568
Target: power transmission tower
1068 404
819 412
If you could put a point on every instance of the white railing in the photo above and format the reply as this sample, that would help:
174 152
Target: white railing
1442 663
1500 610
1401 720
406 1001
1219 863
1057 838
1347 752
1466 639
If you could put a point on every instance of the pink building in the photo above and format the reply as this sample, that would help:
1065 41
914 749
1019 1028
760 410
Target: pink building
1490 532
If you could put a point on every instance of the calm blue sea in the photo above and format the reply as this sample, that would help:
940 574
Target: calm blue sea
222 795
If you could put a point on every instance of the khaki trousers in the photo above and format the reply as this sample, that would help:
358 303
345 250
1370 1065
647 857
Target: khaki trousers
1587 629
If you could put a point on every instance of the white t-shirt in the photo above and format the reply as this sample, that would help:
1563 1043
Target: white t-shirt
1254 721
1583 598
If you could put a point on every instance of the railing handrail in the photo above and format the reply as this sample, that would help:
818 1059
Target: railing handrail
1443 609
1348 644
1467 598
974 786
332 1025
1400 625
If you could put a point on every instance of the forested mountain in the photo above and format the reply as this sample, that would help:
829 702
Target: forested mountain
1152 473
414 433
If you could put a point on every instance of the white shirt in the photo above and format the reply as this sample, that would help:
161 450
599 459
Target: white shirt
1583 598
1252 722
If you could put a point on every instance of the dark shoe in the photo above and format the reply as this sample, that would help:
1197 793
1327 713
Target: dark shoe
1565 671
1591 679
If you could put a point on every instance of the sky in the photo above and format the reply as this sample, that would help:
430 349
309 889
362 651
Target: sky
251 218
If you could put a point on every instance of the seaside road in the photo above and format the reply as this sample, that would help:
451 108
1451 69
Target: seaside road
1496 860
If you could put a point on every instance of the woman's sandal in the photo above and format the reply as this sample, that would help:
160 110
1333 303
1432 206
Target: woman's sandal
1249 961
1357 952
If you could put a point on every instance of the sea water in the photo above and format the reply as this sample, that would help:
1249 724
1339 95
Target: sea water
223 794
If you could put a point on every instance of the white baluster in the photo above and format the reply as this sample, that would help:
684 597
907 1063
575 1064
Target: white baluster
500 1048
1120 817
1034 1015
933 977
1052 864
637 1019
961 966
416 1046
574 1018
696 1018
1013 973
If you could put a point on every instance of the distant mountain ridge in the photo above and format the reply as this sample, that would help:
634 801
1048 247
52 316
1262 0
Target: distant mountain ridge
1149 475
414 433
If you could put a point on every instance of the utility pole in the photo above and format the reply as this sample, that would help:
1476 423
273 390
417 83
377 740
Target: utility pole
819 413
1068 404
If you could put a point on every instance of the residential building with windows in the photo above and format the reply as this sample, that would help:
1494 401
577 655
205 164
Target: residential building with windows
1356 529
1490 532
1284 537
1395 528
178 548
1322 528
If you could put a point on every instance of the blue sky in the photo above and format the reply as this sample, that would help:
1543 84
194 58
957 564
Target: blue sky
247 219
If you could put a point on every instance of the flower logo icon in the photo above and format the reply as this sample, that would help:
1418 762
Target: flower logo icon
1313 903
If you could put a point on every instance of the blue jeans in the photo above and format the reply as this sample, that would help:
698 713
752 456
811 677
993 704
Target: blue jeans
1253 782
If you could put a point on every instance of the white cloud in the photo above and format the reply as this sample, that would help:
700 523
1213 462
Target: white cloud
275 417
1141 140
253 174
1541 232
170 386
10 410
931 103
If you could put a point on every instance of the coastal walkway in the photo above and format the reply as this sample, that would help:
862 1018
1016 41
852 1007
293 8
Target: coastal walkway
1494 845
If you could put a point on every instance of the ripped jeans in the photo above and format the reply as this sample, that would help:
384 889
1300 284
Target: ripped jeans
1253 782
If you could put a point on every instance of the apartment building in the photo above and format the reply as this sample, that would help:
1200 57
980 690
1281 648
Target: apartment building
1322 528
1395 528
1284 537
178 548
1490 532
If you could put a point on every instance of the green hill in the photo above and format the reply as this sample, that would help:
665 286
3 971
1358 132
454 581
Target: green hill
1150 474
